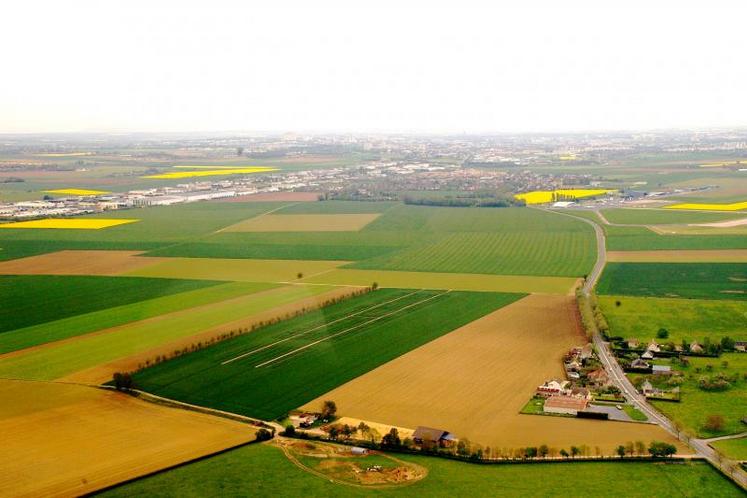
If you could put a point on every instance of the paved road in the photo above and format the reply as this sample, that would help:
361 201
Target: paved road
615 372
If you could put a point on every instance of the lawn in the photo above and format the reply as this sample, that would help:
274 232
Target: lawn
688 280
638 216
89 351
33 299
266 471
280 367
118 315
689 319
735 449
697 404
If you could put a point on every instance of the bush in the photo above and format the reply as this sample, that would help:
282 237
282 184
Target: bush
662 333
714 423
290 430
263 435
123 381
661 449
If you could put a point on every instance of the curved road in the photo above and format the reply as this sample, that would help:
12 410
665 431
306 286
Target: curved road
613 369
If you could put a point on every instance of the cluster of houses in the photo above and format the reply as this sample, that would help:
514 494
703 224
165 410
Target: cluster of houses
587 379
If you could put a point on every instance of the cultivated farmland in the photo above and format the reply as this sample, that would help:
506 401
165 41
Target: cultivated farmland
304 223
693 256
66 296
68 223
268 372
511 351
691 280
66 440
674 237
62 358
637 216
118 315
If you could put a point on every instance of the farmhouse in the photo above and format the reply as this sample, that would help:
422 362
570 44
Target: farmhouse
653 346
640 363
647 388
552 387
740 346
633 343
580 393
648 355
565 405
426 435
598 377
696 348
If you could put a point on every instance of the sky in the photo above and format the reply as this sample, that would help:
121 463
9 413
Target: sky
381 66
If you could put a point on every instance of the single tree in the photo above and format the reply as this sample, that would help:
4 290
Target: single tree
290 430
662 333
329 409
714 423
563 453
620 450
543 450
575 451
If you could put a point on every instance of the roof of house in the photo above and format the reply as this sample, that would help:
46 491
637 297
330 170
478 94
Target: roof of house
565 402
429 434
661 368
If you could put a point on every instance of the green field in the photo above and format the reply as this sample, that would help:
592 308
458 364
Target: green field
118 315
263 470
697 404
280 367
86 352
638 216
688 280
643 239
736 449
509 241
689 319
33 299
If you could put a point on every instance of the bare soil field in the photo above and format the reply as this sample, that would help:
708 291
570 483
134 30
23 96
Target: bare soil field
104 372
66 440
78 263
275 197
455 281
474 381
304 223
241 270
683 256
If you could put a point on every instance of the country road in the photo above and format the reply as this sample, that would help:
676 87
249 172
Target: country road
613 369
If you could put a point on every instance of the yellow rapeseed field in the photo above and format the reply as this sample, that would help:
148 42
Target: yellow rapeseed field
734 206
211 172
69 223
545 196
76 191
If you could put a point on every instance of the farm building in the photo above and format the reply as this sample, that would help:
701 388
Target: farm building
740 346
552 387
357 450
433 436
661 369
303 420
565 404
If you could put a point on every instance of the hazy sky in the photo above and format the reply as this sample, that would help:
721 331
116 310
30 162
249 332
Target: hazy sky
331 66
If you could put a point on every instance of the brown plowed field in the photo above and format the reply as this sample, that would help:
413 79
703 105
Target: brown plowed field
683 256
474 381
78 263
103 373
66 440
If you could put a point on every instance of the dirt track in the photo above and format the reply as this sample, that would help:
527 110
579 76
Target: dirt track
66 440
474 381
